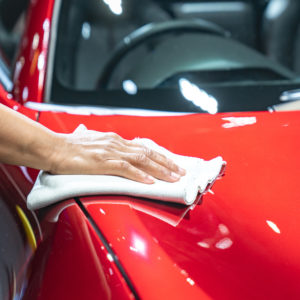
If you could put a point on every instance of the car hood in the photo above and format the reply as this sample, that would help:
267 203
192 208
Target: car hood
241 241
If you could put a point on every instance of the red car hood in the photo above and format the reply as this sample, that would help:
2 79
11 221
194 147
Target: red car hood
239 242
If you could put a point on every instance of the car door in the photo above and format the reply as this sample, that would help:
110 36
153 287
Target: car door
19 229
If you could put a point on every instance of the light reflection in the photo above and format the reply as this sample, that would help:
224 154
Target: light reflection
276 8
115 6
138 246
25 93
46 25
26 174
238 121
223 229
109 257
183 272
190 281
224 243
19 65
129 87
35 41
273 226
86 30
41 62
197 96
203 244
102 211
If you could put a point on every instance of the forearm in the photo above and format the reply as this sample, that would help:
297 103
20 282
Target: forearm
25 142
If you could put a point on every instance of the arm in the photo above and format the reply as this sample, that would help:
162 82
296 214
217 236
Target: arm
25 142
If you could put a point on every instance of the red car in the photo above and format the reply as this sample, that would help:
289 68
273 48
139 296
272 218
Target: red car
200 78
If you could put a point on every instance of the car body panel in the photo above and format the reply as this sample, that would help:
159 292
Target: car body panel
242 241
239 242
30 69
72 262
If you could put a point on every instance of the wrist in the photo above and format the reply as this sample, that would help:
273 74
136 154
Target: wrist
54 156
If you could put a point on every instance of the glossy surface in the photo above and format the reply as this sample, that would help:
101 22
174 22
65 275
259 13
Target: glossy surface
19 232
71 262
242 242
30 69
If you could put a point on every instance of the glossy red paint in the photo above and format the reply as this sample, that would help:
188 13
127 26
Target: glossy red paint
72 262
242 241
30 68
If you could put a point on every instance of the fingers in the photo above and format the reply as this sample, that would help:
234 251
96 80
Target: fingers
148 160
145 163
163 160
125 169
109 153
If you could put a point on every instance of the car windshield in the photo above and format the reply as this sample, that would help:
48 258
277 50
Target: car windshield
200 56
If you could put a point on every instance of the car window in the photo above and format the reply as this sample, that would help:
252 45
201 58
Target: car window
110 51
12 19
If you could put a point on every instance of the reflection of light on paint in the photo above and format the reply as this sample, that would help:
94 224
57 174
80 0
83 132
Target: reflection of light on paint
35 41
183 272
224 243
46 25
26 174
238 121
25 93
102 211
203 244
129 87
138 246
41 62
41 80
109 257
86 30
273 226
115 6
276 8
197 96
223 229
19 65
190 281
111 272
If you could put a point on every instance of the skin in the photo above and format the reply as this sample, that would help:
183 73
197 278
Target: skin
28 143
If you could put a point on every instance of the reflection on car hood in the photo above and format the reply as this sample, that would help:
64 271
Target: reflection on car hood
241 241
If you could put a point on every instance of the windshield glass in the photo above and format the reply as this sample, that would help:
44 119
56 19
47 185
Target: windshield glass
176 55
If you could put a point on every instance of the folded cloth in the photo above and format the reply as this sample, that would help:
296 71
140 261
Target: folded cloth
200 175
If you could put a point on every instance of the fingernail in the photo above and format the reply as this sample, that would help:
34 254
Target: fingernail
175 176
149 179
181 171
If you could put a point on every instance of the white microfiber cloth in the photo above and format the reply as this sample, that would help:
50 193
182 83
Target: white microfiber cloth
200 175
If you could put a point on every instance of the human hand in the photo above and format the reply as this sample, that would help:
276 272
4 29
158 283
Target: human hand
92 152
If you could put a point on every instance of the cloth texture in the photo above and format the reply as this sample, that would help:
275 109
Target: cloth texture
200 175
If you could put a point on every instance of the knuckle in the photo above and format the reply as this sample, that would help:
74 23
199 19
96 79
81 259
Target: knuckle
170 164
141 158
148 152
124 165
166 172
